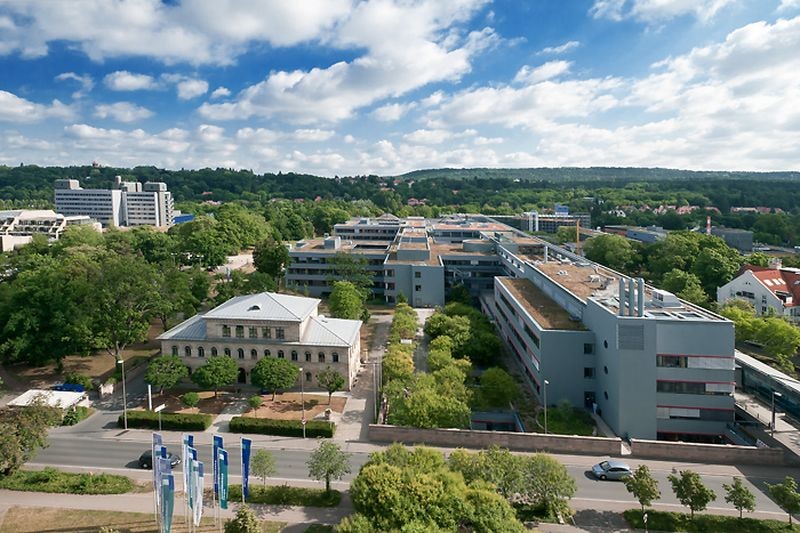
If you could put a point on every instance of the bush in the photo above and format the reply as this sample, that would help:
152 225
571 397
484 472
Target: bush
670 521
286 495
55 481
169 421
79 379
73 416
285 428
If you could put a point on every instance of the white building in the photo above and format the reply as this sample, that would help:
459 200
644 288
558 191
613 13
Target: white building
775 289
126 204
249 328
18 227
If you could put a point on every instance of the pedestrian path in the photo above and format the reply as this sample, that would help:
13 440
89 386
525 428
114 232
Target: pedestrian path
785 432
222 423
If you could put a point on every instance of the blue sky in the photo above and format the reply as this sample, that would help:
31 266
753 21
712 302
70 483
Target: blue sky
356 87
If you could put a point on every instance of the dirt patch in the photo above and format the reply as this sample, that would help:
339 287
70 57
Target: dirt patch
208 404
287 406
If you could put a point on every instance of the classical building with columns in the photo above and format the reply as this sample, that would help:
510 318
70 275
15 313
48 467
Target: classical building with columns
249 328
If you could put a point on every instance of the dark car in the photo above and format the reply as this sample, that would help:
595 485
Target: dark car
616 470
146 459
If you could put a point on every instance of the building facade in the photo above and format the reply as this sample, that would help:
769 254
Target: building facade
18 227
769 290
250 328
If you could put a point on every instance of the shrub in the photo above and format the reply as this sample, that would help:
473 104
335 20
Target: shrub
286 495
285 428
169 421
55 481
73 416
79 379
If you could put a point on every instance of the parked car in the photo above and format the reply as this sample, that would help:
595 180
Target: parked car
146 459
615 470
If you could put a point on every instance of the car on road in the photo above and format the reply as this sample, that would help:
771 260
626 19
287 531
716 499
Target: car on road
615 470
146 459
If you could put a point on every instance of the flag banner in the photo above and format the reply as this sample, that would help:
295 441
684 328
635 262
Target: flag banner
188 442
215 467
246 445
191 453
223 478
167 501
159 451
156 442
198 486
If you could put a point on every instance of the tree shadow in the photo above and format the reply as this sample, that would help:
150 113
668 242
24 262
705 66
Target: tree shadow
594 520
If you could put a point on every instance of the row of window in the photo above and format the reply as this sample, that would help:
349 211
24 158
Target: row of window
685 361
694 387
201 352
252 332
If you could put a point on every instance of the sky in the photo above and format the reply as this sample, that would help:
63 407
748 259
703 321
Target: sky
346 87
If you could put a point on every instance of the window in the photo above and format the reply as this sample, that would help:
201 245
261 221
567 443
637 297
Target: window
187 351
417 274
588 372
417 288
321 356
201 352
694 387
335 357
279 333
605 370
605 395
294 355
253 354
252 332
280 354
308 356
605 344
672 361
308 376
239 332
227 352
531 334
240 353
226 331
266 333
267 353
213 352
588 347
174 350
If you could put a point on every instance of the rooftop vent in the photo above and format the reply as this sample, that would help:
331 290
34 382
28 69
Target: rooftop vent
255 308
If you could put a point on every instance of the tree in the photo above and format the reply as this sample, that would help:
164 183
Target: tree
165 371
685 285
330 380
255 402
397 365
780 339
271 257
643 486
219 371
547 483
24 432
566 234
786 496
498 388
190 399
346 301
458 328
175 288
262 464
328 462
690 491
274 374
740 496
352 268
245 521
612 251
420 401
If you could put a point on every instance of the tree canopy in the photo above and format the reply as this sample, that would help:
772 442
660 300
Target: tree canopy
274 374
165 371
346 301
218 371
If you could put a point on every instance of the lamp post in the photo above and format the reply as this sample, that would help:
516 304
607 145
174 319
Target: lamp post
774 395
546 383
121 363
303 401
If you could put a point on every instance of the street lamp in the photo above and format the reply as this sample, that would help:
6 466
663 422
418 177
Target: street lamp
774 395
303 402
121 363
546 383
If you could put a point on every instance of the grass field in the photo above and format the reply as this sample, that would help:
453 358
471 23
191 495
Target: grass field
52 520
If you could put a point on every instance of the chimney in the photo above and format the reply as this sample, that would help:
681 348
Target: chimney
640 294
708 225
621 297
631 298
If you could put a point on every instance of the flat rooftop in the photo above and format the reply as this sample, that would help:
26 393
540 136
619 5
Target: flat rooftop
541 307
317 245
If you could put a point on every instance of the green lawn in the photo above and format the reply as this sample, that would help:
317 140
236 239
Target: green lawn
702 523
52 480
567 421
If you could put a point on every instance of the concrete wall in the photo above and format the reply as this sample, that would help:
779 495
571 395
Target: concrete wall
706 453
528 442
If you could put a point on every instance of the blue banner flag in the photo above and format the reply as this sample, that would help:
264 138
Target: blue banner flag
156 442
159 452
223 479
246 445
214 460
167 501
188 442
197 485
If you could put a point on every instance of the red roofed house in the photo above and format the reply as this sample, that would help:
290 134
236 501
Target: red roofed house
766 288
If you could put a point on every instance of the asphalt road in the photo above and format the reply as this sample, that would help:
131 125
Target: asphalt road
74 451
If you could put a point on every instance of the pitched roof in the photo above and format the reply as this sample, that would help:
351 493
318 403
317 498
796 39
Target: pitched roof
777 280
193 329
266 306
326 331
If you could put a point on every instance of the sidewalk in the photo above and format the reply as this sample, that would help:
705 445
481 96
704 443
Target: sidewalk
785 433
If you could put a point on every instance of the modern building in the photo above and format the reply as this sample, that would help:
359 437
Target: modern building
126 204
650 234
18 227
550 222
740 239
249 328
768 289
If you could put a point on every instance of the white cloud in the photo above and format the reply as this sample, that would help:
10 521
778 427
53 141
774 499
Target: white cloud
312 135
86 82
560 49
392 112
220 92
122 112
657 10
122 80
549 70
788 5
424 136
191 88
16 109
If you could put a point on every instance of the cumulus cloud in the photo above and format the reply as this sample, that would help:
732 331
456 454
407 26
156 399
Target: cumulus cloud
551 69
220 92
191 88
86 83
560 49
424 136
312 135
16 109
122 112
392 112
122 80
789 5
657 10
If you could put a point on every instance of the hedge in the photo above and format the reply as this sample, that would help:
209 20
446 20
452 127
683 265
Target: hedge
169 421
286 495
52 480
672 521
285 428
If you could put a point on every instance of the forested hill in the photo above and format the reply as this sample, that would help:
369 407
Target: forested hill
593 174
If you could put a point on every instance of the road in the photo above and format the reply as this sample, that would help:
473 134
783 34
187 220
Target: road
121 456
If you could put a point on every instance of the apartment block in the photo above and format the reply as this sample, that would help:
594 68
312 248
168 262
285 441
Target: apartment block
18 227
769 289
